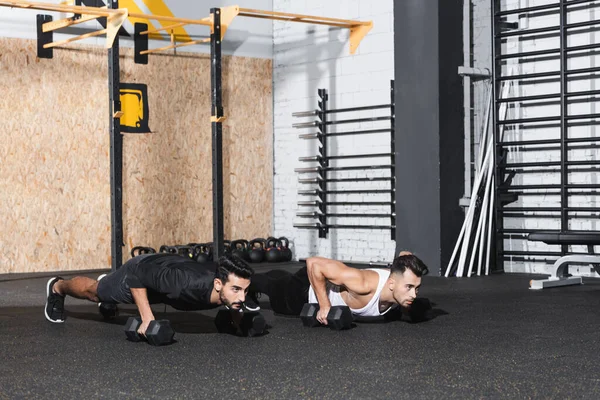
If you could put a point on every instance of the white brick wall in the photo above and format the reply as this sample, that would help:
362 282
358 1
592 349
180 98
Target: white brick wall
309 57
482 54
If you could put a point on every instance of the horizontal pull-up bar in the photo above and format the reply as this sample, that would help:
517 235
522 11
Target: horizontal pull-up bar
175 46
115 18
63 23
75 38
248 12
100 12
163 28
358 29
183 21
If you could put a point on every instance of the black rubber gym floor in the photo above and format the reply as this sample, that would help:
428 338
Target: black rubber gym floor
490 337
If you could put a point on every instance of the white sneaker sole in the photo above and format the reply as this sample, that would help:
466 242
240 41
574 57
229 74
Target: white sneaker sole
253 309
98 280
58 321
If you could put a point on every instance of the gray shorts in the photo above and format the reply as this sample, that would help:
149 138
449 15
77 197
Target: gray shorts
113 288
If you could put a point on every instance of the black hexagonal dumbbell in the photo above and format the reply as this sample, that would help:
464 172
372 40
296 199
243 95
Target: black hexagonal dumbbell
251 323
419 310
338 318
108 311
158 333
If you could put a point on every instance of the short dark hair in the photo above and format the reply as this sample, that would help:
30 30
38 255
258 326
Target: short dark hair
409 261
230 264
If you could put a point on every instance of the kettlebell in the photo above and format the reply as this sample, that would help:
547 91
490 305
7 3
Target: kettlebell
286 252
185 251
257 250
139 250
227 247
202 253
168 249
272 253
240 249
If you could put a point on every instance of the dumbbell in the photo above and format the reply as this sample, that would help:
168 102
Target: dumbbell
108 311
158 332
252 323
338 318
418 309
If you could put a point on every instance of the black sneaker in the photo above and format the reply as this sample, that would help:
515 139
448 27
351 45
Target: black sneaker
55 303
251 303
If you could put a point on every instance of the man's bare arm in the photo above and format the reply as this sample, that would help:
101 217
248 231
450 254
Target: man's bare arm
140 297
320 270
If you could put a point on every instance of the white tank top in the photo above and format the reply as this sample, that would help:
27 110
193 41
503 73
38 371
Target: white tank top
370 310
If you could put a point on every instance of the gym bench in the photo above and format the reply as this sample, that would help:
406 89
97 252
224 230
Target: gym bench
560 274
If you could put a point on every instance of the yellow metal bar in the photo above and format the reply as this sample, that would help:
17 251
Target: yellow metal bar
227 16
60 8
296 20
113 24
357 34
63 23
159 7
174 46
358 29
171 19
149 31
248 12
72 39
132 7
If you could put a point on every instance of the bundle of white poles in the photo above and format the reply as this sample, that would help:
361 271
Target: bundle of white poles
476 235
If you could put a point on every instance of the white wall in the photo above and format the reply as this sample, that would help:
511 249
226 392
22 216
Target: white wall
309 57
248 37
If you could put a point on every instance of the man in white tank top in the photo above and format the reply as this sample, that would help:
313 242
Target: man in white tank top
367 292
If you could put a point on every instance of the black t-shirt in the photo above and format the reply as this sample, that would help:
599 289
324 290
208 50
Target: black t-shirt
174 280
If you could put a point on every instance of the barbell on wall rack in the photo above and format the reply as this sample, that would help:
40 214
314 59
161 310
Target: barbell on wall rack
317 135
313 192
342 215
362 179
350 168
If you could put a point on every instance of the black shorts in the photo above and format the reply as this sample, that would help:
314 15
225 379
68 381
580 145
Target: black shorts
287 292
113 288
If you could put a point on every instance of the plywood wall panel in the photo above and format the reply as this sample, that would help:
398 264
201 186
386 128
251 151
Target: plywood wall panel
54 155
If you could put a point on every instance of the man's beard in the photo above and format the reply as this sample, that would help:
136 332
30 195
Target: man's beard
226 302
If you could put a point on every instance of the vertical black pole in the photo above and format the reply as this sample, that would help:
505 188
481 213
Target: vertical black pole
564 199
323 98
217 132
498 243
393 160
116 153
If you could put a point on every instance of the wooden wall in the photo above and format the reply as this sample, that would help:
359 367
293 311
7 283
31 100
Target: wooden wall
54 155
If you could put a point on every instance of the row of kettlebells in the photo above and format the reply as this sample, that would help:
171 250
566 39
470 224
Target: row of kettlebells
256 250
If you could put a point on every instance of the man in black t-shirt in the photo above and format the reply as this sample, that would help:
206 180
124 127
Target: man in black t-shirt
171 279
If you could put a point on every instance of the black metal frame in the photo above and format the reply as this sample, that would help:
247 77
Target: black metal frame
324 168
324 160
217 133
116 138
44 37
564 189
116 152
